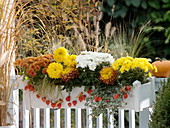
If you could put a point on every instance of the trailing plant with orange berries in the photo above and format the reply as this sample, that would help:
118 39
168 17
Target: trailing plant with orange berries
107 82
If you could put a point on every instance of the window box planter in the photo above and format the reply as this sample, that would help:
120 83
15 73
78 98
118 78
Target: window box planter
141 96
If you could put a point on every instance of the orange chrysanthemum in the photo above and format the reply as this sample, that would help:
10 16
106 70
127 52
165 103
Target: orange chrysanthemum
37 68
31 72
24 64
49 56
44 70
17 62
33 66
30 61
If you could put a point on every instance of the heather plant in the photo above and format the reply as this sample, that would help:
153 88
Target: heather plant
161 112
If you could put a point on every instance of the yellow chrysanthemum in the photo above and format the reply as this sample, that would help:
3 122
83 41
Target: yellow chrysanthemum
126 63
108 75
55 70
155 69
70 61
149 74
60 54
123 61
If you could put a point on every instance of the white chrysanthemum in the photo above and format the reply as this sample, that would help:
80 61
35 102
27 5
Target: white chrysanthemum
92 66
92 59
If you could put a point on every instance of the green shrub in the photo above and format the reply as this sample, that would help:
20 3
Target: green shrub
160 118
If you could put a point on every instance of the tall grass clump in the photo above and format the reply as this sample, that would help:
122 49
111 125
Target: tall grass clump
129 42
76 25
52 23
10 33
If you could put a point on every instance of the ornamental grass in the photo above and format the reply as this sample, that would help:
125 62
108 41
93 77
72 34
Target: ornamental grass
10 33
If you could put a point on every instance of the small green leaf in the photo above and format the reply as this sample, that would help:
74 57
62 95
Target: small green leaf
166 5
121 12
167 41
136 3
128 2
154 4
167 16
110 2
166 1
144 4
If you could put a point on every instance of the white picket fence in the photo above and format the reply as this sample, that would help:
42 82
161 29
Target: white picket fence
28 115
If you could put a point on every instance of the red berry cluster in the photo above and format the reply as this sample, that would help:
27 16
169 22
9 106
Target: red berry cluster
125 91
90 92
29 87
80 97
56 104
97 99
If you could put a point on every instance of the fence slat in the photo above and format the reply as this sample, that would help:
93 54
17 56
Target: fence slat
25 114
144 118
100 121
36 117
46 117
57 118
78 117
121 121
88 118
68 118
14 107
131 118
110 119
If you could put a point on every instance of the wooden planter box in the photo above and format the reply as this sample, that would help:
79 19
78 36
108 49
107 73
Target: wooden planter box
141 96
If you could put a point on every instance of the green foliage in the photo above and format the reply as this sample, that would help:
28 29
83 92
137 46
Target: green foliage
128 77
161 111
138 12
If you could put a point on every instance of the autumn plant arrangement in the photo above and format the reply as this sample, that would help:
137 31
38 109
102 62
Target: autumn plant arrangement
106 81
